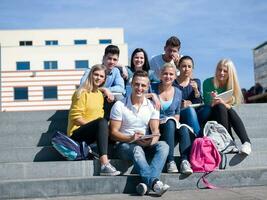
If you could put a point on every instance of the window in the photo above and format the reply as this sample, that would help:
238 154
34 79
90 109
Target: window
51 42
25 43
50 64
78 42
105 41
50 92
21 93
24 65
81 64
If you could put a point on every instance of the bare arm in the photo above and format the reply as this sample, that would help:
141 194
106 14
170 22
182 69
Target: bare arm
116 135
154 127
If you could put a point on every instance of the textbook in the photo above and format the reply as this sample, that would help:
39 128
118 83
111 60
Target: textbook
195 105
144 137
225 96
178 124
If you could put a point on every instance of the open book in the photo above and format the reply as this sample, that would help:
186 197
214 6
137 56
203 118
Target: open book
178 124
195 105
144 137
225 96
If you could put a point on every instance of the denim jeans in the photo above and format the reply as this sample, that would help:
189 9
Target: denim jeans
172 136
189 116
137 154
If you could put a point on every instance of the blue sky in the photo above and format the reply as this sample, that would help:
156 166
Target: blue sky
209 30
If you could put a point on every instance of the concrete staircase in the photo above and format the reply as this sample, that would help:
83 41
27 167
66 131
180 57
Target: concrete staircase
30 167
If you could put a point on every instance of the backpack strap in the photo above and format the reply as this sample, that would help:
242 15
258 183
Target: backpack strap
205 181
223 160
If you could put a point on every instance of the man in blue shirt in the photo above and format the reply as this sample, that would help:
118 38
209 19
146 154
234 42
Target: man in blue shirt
114 82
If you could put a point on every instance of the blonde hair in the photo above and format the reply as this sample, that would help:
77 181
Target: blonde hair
232 82
168 65
88 84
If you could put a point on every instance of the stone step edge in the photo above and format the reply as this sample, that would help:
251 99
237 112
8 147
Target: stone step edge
217 172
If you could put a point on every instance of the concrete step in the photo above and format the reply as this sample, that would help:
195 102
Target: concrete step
44 188
57 169
44 139
29 154
48 153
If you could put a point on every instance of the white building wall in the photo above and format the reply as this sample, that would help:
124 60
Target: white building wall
65 77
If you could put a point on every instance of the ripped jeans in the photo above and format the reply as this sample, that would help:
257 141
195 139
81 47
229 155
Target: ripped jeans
149 172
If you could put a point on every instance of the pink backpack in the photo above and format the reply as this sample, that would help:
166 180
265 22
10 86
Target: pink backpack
204 157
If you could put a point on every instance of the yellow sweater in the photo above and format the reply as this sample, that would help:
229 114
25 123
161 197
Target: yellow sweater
89 107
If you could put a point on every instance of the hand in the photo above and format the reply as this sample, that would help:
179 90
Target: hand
124 73
194 85
186 103
137 135
176 57
108 94
145 142
217 100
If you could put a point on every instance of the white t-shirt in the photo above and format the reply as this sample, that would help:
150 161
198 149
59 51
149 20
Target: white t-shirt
132 119
156 64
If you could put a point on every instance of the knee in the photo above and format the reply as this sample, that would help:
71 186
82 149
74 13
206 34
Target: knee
102 124
220 107
184 131
138 152
163 147
190 111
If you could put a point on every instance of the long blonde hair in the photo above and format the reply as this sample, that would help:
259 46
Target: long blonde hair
232 82
88 84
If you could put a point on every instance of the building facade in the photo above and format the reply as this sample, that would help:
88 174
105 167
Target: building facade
40 69
260 64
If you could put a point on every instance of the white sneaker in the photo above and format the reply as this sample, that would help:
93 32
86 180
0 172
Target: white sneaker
141 189
246 148
185 168
171 167
160 188
108 170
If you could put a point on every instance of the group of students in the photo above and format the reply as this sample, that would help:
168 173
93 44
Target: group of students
161 89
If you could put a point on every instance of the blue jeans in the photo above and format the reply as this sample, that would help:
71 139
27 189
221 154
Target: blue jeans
189 116
137 154
172 136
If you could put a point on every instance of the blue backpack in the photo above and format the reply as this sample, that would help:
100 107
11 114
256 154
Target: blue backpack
70 149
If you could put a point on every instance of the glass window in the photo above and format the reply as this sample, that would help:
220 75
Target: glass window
21 93
81 64
24 65
51 42
78 42
25 43
105 41
50 92
50 64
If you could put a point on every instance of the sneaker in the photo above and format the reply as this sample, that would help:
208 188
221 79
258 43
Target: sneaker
171 167
108 170
141 189
246 148
160 188
185 168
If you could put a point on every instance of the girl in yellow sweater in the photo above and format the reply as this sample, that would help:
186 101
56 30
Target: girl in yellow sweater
86 122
